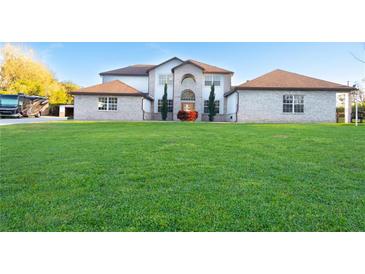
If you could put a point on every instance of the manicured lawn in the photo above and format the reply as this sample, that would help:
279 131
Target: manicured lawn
107 176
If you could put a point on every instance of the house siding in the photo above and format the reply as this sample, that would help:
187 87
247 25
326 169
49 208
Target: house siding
231 101
218 90
157 91
129 108
265 106
151 83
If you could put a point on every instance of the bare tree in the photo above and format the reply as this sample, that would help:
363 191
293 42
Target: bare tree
360 93
362 60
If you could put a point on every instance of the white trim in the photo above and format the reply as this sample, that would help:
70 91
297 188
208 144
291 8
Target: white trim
293 104
107 104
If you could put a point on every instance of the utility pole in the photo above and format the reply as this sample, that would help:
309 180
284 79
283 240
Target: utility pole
356 93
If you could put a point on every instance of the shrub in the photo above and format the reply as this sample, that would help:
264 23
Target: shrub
187 115
342 109
164 108
211 104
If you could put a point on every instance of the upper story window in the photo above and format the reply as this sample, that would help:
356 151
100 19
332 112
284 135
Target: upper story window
188 80
212 80
293 103
165 79
108 103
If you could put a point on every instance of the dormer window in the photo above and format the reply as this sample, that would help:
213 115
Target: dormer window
165 79
212 80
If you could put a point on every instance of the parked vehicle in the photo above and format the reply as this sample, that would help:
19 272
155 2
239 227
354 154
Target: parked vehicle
21 105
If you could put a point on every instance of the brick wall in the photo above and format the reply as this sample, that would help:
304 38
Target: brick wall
267 107
129 108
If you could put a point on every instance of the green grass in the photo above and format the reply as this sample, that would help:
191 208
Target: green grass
114 176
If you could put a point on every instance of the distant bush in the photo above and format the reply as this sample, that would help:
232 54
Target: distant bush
340 109
361 108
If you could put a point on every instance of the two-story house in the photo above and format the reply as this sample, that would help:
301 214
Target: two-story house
135 93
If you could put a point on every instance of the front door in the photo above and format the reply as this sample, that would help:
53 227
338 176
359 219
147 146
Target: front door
188 106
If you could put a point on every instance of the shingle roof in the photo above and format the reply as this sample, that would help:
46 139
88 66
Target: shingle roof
285 80
142 70
173 58
205 67
134 70
115 87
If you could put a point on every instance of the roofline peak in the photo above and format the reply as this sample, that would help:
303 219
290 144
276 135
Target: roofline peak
164 62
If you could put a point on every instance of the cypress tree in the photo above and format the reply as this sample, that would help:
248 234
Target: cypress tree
211 104
164 108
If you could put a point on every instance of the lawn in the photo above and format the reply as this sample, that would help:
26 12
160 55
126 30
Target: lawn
115 176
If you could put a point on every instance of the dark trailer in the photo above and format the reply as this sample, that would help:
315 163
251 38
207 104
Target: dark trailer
21 105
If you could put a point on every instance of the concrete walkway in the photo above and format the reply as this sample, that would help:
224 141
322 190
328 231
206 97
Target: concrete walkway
14 121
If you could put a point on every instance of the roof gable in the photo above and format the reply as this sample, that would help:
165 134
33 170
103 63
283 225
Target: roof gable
205 67
169 60
285 80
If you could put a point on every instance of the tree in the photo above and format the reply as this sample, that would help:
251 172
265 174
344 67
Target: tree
21 72
69 87
164 108
211 104
360 94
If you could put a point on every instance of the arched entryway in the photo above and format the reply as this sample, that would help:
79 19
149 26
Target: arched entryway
188 100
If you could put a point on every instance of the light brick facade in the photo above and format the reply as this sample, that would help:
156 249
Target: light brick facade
129 108
257 101
265 106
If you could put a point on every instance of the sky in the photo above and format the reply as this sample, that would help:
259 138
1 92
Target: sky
81 63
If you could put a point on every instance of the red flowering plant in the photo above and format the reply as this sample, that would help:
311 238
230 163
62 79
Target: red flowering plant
187 115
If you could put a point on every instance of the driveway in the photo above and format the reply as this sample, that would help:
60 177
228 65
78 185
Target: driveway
14 121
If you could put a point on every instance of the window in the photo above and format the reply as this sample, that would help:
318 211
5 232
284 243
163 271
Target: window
108 103
208 80
9 100
170 105
212 80
293 103
216 80
298 103
287 103
188 81
103 102
112 103
165 78
187 95
216 106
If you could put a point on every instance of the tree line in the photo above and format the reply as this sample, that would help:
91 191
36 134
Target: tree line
21 72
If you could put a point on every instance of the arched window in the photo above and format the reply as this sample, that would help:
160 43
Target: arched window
188 82
187 95
188 79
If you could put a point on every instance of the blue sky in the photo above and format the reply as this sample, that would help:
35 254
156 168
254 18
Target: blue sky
81 62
